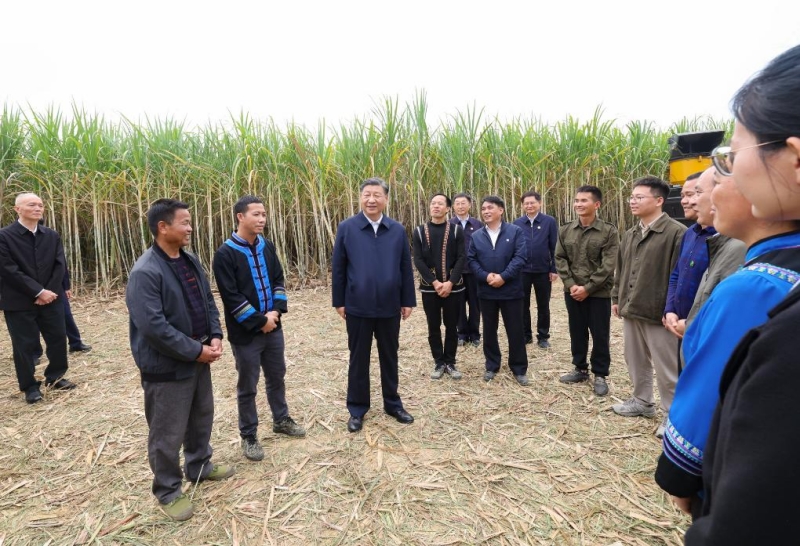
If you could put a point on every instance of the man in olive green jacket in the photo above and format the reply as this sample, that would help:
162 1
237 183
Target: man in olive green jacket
586 253
647 255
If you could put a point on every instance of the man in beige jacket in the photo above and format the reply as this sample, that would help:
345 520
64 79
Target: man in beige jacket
647 255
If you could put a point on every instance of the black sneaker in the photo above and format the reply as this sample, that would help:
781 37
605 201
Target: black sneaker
252 449
452 372
575 376
288 427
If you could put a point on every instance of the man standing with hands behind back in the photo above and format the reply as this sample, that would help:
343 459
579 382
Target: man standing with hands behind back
32 269
373 287
541 233
175 334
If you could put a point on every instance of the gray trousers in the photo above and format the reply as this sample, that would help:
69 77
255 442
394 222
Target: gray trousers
651 347
265 352
179 413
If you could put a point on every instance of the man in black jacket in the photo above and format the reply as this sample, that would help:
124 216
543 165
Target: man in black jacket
175 334
32 268
250 281
439 258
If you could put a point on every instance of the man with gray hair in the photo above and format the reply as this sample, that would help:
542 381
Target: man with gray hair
32 267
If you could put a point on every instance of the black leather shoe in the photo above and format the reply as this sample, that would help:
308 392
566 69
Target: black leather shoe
33 395
355 423
61 385
80 348
402 416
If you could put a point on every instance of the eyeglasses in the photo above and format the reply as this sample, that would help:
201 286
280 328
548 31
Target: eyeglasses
722 156
638 198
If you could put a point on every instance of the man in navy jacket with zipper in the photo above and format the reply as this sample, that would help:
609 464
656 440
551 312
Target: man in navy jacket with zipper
497 258
373 287
541 234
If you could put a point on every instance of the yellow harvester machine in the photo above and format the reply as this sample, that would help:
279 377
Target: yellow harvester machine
689 153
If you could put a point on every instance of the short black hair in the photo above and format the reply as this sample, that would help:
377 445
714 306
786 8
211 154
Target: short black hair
594 190
494 200
245 201
694 176
375 181
532 193
446 198
466 196
163 210
658 187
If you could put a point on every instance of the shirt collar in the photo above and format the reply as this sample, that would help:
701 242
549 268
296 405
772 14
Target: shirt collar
26 227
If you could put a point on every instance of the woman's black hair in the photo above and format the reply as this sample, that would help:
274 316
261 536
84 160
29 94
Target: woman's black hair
768 104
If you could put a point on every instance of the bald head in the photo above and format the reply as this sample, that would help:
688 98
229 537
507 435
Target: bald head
29 208
702 198
22 197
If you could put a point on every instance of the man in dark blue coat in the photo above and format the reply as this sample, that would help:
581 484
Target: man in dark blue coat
497 257
373 287
541 234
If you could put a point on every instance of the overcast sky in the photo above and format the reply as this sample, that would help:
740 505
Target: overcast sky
308 60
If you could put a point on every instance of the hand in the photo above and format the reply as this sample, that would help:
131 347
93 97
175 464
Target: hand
216 343
405 312
210 354
578 293
553 277
495 280
684 504
444 289
272 322
68 293
680 328
341 312
670 322
615 310
46 297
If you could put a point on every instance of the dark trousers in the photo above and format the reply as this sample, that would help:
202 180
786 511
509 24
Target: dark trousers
179 413
73 335
590 316
360 331
512 320
541 285
265 352
438 310
24 328
469 321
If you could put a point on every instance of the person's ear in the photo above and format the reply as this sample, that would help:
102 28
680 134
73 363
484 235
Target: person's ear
793 145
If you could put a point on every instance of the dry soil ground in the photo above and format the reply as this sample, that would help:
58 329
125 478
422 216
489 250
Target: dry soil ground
483 463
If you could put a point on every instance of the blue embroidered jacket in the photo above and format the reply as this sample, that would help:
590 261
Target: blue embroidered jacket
736 305
250 282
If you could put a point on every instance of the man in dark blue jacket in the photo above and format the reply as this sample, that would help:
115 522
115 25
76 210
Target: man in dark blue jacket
468 321
373 287
175 335
541 234
497 257
250 281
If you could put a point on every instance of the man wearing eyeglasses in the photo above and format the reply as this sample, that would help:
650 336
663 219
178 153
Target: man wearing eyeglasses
647 255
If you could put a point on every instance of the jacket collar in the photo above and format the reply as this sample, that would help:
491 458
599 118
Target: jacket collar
596 224
364 221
